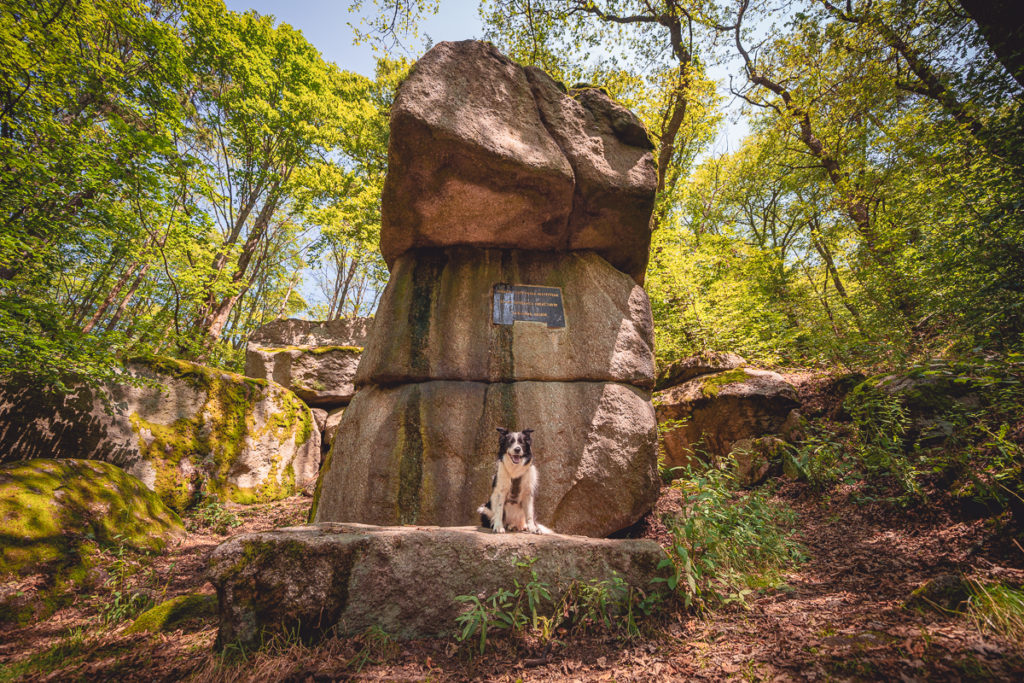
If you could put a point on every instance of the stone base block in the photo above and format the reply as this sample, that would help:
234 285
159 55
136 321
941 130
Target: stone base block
404 580
425 453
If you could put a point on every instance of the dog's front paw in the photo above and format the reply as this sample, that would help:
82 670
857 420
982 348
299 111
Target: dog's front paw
533 528
500 530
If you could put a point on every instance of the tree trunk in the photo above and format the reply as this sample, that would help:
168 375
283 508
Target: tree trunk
1002 25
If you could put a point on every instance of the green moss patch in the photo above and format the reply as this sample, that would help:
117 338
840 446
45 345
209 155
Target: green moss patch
54 513
199 452
170 614
712 384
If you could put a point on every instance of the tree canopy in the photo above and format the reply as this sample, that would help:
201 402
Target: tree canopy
174 174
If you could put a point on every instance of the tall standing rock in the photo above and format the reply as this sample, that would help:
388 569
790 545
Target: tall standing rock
516 224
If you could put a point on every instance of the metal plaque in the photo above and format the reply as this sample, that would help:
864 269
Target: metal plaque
529 304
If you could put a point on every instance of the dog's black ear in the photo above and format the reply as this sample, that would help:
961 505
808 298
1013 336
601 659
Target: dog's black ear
527 433
502 431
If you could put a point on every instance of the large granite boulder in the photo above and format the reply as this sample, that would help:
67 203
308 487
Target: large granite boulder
433 321
189 429
486 153
516 224
719 409
294 332
316 360
55 513
319 375
348 577
610 154
424 453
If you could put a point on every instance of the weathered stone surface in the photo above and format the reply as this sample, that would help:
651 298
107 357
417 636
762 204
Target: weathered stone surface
721 409
54 513
471 162
319 419
616 177
319 375
293 332
403 580
754 459
331 425
424 453
434 321
704 363
194 427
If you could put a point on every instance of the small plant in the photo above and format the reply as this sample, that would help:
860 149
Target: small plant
123 602
821 458
726 542
377 646
666 427
211 514
610 604
998 609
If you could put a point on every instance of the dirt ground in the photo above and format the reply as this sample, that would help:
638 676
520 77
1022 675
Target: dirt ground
838 616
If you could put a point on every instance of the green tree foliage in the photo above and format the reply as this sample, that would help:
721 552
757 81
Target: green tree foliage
164 170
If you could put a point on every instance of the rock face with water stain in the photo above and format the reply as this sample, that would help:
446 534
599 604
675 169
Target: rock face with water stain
435 321
499 176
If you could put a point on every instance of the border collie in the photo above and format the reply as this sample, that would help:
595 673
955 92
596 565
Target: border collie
514 487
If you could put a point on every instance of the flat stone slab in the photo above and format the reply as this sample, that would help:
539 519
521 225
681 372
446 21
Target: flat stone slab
404 580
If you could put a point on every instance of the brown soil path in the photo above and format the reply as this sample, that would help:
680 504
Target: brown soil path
839 616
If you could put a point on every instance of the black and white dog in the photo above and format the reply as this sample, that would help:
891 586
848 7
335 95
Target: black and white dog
514 487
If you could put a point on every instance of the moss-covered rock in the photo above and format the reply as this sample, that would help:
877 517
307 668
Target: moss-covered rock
705 416
172 613
933 396
319 375
944 593
54 514
190 428
754 459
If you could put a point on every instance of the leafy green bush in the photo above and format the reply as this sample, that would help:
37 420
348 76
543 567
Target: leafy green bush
881 422
727 543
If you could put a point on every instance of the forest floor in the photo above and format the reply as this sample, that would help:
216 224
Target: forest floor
837 616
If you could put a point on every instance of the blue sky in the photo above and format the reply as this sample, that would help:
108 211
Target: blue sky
326 24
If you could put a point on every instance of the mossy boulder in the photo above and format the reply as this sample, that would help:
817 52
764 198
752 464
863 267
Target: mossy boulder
753 460
944 593
703 363
189 428
315 580
704 417
172 613
934 397
55 513
319 375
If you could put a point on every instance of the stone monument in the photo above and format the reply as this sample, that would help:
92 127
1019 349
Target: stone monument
516 226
